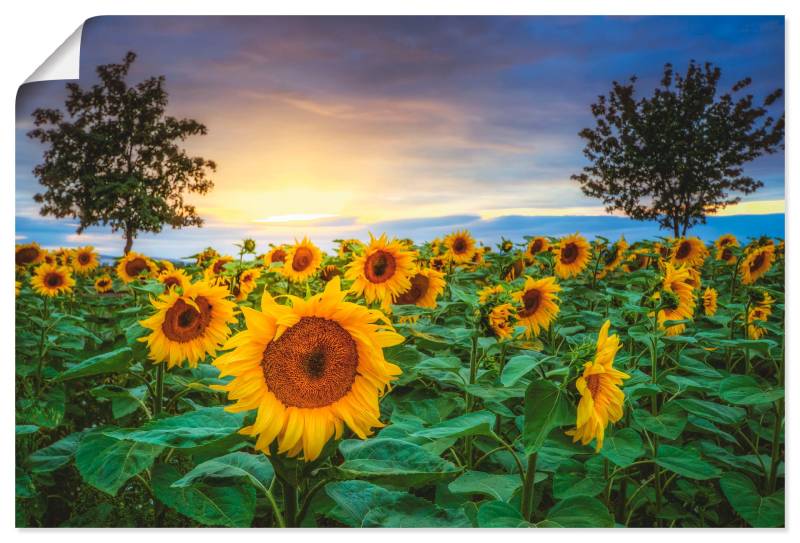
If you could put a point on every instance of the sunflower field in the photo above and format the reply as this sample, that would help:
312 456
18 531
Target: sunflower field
546 382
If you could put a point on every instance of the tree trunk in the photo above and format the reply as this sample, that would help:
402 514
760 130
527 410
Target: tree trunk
128 240
676 227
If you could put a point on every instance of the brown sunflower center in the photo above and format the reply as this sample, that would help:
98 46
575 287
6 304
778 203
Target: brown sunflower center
757 262
135 266
593 384
312 364
330 272
53 280
380 266
84 258
460 245
278 255
184 323
419 286
170 282
611 255
26 255
302 259
569 253
684 249
536 246
725 241
531 301
727 253
218 265
102 283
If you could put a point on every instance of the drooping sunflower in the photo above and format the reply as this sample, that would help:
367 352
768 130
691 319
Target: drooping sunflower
246 283
189 325
679 297
133 266
572 256
724 248
309 369
501 321
689 252
349 247
612 257
710 301
514 270
85 260
103 284
49 280
28 254
460 246
637 260
536 245
426 286
275 255
538 304
757 262
302 260
175 278
382 272
601 396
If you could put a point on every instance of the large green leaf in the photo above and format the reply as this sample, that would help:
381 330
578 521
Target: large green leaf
623 447
124 401
232 506
56 455
518 367
713 411
192 429
499 486
578 512
546 408
685 461
499 514
107 463
111 362
669 423
478 422
759 511
744 390
393 461
256 468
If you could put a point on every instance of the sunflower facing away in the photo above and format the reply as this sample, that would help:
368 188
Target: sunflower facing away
572 256
174 278
382 272
601 396
28 254
710 302
501 321
538 304
679 297
460 247
302 260
133 266
689 251
190 325
275 255
246 284
103 284
309 369
49 280
724 248
85 260
757 262
612 257
426 286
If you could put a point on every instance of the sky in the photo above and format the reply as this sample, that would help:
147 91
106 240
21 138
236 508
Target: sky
333 127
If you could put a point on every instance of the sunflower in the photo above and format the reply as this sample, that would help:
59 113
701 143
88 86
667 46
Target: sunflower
710 301
754 316
216 268
460 246
506 245
206 255
64 256
537 245
757 262
49 258
538 301
679 298
190 325
724 248
28 254
309 369
49 280
246 284
302 260
689 251
133 266
501 321
601 397
477 259
490 292
329 272
438 263
637 260
175 278
103 284
165 265
572 256
85 260
695 277
382 272
426 286
613 257
17 287
276 254
349 247
514 270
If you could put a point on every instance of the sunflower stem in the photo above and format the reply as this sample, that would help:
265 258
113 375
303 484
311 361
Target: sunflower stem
776 441
528 488
159 399
42 337
290 504
473 373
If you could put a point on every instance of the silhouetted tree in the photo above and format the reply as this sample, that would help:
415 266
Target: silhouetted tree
678 155
116 160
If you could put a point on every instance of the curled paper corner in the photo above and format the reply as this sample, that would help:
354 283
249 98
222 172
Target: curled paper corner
64 63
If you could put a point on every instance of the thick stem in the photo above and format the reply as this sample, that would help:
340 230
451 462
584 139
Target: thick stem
776 444
528 488
289 504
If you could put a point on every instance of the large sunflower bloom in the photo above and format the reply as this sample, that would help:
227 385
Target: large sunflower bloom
309 369
572 256
538 304
426 286
460 247
302 260
28 254
757 262
133 266
103 284
85 260
175 278
601 397
382 272
49 280
189 325
689 251
676 282
710 302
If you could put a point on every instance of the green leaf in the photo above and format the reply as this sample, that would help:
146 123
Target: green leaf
24 487
757 510
518 367
232 506
476 423
392 461
498 486
575 478
579 512
111 362
713 411
499 514
124 401
745 390
623 448
256 468
669 423
685 461
56 455
546 408
46 411
107 463
192 429
25 429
